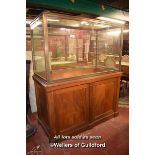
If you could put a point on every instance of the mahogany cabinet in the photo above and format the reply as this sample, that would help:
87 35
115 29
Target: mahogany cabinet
69 107
76 74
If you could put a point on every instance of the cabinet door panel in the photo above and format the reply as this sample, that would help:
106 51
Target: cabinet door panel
42 109
102 98
71 105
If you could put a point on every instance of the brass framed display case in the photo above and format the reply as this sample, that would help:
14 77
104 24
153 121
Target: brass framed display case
76 71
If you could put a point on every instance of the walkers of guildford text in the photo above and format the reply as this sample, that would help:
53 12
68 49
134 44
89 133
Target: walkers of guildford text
76 145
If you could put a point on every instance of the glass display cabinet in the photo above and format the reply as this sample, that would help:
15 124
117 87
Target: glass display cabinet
76 71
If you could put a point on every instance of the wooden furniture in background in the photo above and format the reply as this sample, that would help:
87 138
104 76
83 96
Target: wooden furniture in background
125 70
125 66
124 86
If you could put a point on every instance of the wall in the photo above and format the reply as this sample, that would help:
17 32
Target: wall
31 82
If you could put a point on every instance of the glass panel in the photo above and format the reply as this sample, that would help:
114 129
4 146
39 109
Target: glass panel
109 48
75 47
81 47
69 45
38 48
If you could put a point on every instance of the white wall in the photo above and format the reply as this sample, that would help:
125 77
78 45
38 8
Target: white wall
31 82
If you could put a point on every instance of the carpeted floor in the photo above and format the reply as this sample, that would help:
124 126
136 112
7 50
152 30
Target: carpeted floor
114 133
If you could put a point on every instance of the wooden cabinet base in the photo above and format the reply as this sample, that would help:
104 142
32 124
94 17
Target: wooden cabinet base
69 107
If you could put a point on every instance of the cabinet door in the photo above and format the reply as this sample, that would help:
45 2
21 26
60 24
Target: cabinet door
103 99
71 108
42 108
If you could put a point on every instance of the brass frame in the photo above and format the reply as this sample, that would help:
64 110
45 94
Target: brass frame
46 49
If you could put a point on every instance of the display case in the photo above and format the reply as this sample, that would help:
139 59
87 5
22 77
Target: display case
76 71
69 47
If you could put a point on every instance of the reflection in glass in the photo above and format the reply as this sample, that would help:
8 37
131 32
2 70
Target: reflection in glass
76 47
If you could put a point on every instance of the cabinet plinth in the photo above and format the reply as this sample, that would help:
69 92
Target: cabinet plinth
71 106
